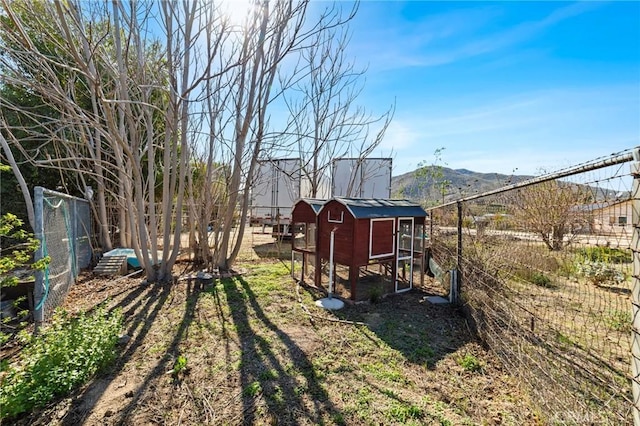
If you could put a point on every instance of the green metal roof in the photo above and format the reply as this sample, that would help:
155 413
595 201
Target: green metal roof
362 208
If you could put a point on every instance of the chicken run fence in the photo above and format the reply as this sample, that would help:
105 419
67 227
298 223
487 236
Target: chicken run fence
547 270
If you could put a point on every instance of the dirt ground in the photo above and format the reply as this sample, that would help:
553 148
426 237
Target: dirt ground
259 351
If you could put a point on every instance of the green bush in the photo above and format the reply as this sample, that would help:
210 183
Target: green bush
470 363
598 272
65 355
540 279
16 254
534 277
16 250
605 254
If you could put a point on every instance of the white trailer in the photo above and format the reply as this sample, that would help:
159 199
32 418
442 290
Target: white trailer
276 188
361 178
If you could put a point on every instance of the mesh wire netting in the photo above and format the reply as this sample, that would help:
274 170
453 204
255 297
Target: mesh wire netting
64 229
547 278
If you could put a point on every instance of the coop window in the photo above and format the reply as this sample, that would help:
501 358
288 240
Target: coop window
622 221
382 238
334 218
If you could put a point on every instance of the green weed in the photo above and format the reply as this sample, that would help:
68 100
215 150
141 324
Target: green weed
180 365
605 254
470 363
65 355
402 412
268 375
619 320
388 372
390 393
540 279
375 294
421 354
252 390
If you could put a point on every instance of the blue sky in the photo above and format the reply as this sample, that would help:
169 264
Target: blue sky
509 87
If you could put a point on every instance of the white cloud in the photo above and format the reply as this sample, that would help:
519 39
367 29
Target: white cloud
400 135
415 44
542 129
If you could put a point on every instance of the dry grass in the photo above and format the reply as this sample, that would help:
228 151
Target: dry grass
254 349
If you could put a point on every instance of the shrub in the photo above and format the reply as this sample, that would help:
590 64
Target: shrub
375 295
16 254
605 254
525 257
619 320
16 250
65 355
540 279
597 272
534 277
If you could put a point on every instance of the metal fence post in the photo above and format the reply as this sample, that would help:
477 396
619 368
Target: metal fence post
635 248
73 220
458 281
38 231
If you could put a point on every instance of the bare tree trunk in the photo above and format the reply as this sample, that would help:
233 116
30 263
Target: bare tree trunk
16 172
244 116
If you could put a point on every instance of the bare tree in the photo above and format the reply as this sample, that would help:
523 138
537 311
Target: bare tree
275 32
326 120
269 35
431 183
175 98
16 171
130 93
551 210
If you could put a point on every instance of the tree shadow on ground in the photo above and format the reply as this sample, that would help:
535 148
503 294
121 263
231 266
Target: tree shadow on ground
264 346
141 307
614 289
194 287
423 332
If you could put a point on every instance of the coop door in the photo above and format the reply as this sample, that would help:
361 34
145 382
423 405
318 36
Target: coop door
381 241
404 262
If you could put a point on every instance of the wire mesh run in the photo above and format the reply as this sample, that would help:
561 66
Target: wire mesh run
373 282
63 226
547 276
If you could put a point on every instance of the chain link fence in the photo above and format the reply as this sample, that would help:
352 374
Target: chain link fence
63 226
544 269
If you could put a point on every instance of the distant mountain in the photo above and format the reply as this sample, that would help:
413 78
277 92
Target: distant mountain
428 184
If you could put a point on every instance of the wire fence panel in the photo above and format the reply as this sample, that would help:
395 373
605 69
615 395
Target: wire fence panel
546 275
63 226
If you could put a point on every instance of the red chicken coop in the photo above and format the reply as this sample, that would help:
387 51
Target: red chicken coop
361 248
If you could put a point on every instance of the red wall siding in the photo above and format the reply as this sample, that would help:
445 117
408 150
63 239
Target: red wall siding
361 242
303 213
351 238
343 237
382 237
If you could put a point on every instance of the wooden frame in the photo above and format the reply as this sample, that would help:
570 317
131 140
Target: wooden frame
371 236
